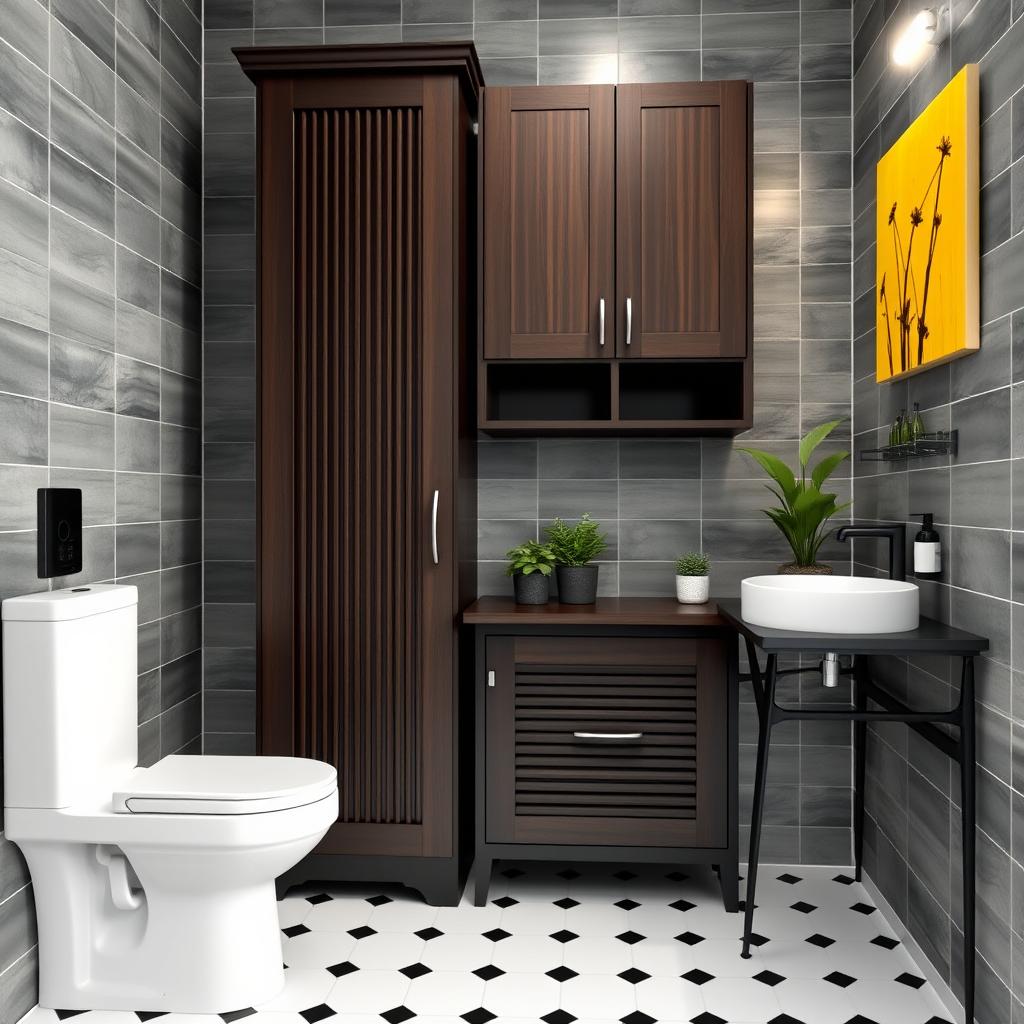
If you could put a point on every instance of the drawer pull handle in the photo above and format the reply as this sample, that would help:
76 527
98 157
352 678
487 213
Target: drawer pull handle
608 737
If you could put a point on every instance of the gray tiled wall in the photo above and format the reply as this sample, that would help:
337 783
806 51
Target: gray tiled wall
100 134
978 501
654 498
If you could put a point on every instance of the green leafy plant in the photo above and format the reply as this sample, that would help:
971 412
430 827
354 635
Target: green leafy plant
693 563
530 557
804 508
576 545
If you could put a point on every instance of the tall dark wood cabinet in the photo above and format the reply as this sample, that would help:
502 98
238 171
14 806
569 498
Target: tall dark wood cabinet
367 504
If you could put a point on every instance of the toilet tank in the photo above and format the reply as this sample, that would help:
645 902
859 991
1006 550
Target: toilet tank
70 695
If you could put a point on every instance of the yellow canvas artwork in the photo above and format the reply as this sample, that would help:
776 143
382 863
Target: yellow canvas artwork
926 291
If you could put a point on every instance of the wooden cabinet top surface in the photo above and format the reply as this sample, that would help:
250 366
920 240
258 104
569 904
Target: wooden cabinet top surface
607 611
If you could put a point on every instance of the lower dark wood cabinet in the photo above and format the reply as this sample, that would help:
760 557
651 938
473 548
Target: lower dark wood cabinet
611 740
608 739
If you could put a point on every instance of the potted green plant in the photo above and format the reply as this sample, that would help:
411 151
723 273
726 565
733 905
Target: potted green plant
530 565
692 578
804 509
575 548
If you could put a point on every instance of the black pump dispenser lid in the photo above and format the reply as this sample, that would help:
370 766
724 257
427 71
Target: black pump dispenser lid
926 533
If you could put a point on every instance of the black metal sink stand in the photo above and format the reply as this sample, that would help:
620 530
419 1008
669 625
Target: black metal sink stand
925 723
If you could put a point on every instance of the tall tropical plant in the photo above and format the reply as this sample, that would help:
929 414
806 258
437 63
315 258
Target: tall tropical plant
804 509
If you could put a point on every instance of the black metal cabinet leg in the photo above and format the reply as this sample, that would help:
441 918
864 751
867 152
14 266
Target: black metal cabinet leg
766 706
481 879
967 770
729 882
860 739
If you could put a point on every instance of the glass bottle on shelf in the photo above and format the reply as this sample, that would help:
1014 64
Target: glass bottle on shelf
894 430
917 430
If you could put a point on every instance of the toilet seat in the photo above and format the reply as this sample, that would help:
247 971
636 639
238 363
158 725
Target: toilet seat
210 784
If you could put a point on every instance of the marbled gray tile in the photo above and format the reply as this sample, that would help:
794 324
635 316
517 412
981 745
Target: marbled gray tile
659 33
81 375
779 64
24 88
138 388
23 360
659 499
572 458
181 588
571 498
138 445
180 450
230 669
578 36
83 438
18 486
507 499
750 30
80 192
138 497
662 540
76 68
229 625
23 435
679 65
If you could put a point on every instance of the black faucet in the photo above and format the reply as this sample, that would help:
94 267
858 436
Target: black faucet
897 537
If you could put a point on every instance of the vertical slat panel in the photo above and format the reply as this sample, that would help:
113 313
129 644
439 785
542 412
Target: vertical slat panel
359 521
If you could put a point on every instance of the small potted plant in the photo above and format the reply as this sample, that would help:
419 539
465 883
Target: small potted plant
804 509
692 579
530 565
575 548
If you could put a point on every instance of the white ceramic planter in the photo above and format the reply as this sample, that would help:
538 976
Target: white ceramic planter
692 589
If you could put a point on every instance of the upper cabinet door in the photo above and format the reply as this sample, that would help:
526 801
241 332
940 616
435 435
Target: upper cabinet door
548 222
683 209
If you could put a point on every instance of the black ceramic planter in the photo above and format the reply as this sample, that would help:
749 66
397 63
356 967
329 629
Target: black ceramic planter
532 589
577 584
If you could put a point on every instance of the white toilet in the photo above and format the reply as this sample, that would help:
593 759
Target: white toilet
154 887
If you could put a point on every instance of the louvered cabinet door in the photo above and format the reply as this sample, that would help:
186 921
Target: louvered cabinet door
357 560
613 741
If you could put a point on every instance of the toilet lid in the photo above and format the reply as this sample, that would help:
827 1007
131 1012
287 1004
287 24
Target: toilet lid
209 784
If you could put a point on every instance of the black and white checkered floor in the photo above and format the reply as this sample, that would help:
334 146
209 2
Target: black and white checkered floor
589 944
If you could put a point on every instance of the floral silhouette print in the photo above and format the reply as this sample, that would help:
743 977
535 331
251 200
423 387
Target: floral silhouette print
912 307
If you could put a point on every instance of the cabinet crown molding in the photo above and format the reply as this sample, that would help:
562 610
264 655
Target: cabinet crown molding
458 58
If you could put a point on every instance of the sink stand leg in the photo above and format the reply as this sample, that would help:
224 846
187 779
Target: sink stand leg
967 823
860 738
766 707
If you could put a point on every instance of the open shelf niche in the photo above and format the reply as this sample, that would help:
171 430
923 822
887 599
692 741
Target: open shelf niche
615 396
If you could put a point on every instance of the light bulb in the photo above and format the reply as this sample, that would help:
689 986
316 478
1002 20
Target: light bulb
915 39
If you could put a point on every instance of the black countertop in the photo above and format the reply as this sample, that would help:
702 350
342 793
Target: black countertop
930 637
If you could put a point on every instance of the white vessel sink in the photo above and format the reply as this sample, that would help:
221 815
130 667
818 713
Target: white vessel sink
829 604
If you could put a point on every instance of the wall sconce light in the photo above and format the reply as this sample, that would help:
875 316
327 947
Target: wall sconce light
916 39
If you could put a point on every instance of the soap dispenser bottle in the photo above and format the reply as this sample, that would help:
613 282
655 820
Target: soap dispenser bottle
927 548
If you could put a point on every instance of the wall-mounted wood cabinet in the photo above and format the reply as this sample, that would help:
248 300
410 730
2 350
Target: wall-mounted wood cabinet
616 227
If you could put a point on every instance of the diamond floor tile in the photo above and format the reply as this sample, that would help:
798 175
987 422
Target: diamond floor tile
584 944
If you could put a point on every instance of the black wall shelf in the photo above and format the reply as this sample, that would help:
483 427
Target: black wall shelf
927 446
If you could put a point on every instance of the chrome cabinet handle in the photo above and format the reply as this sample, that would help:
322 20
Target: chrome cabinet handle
433 528
608 737
490 677
629 321
601 322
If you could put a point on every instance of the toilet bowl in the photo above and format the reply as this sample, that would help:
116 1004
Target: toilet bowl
154 887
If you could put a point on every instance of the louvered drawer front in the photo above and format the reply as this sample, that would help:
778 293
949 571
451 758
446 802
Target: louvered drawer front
606 743
611 740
